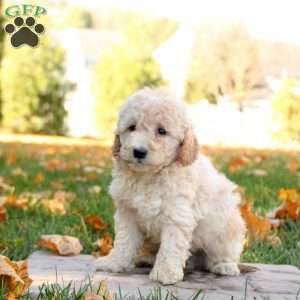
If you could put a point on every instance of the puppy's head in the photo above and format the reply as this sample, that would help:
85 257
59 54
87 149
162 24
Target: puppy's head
153 132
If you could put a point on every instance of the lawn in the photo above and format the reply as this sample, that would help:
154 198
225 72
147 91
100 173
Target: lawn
33 173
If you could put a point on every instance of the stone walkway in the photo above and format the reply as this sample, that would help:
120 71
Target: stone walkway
274 282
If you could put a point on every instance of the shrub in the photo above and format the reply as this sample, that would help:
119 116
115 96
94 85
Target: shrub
224 61
34 89
118 74
286 108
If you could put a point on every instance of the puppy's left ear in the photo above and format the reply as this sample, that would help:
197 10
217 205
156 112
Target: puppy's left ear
116 146
189 148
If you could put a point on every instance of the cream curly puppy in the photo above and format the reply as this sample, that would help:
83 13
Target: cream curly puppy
167 193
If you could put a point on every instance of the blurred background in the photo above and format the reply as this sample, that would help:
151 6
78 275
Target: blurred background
235 63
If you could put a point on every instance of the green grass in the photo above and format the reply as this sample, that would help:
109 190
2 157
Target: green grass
23 228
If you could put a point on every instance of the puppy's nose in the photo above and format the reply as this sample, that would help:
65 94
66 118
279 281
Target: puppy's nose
139 152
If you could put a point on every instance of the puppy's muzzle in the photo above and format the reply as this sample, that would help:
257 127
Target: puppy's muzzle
139 153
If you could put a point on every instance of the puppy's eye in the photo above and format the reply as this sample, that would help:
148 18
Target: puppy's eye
131 128
161 131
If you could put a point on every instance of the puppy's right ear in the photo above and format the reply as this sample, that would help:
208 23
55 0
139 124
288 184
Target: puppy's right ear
116 146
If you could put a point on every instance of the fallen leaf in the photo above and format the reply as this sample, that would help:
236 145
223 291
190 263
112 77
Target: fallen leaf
15 276
19 172
39 178
4 186
258 227
294 166
57 185
273 240
288 194
61 244
2 214
104 245
11 158
54 164
16 202
236 163
95 189
290 209
258 172
55 206
103 293
96 222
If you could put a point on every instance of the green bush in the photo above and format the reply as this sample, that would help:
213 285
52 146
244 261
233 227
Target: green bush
78 17
224 62
118 74
286 108
33 88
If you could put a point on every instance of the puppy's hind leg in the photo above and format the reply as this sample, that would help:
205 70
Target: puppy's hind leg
223 245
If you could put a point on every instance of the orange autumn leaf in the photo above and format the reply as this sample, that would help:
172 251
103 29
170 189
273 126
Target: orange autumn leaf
95 222
288 195
2 214
39 178
61 244
53 164
104 245
16 202
258 227
290 209
11 158
236 163
55 206
15 276
294 166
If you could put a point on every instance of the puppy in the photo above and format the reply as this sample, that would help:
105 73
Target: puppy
169 194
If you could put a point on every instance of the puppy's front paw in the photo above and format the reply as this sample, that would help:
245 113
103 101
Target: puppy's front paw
229 269
110 264
166 273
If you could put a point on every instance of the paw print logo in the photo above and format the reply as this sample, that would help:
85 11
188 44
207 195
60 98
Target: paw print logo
24 32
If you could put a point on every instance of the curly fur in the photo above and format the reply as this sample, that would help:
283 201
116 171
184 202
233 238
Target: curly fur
174 197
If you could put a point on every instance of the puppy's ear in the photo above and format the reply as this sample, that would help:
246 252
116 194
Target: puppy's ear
116 146
189 148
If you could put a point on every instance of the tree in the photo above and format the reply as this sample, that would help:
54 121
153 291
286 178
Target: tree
34 89
286 109
225 61
126 67
78 17
118 74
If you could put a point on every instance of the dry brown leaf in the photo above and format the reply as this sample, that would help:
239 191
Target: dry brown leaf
2 214
103 293
273 240
15 276
39 178
61 244
258 227
55 206
96 222
92 296
104 244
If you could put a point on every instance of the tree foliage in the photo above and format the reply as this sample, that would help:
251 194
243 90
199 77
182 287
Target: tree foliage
286 107
224 61
123 69
118 74
78 17
33 88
